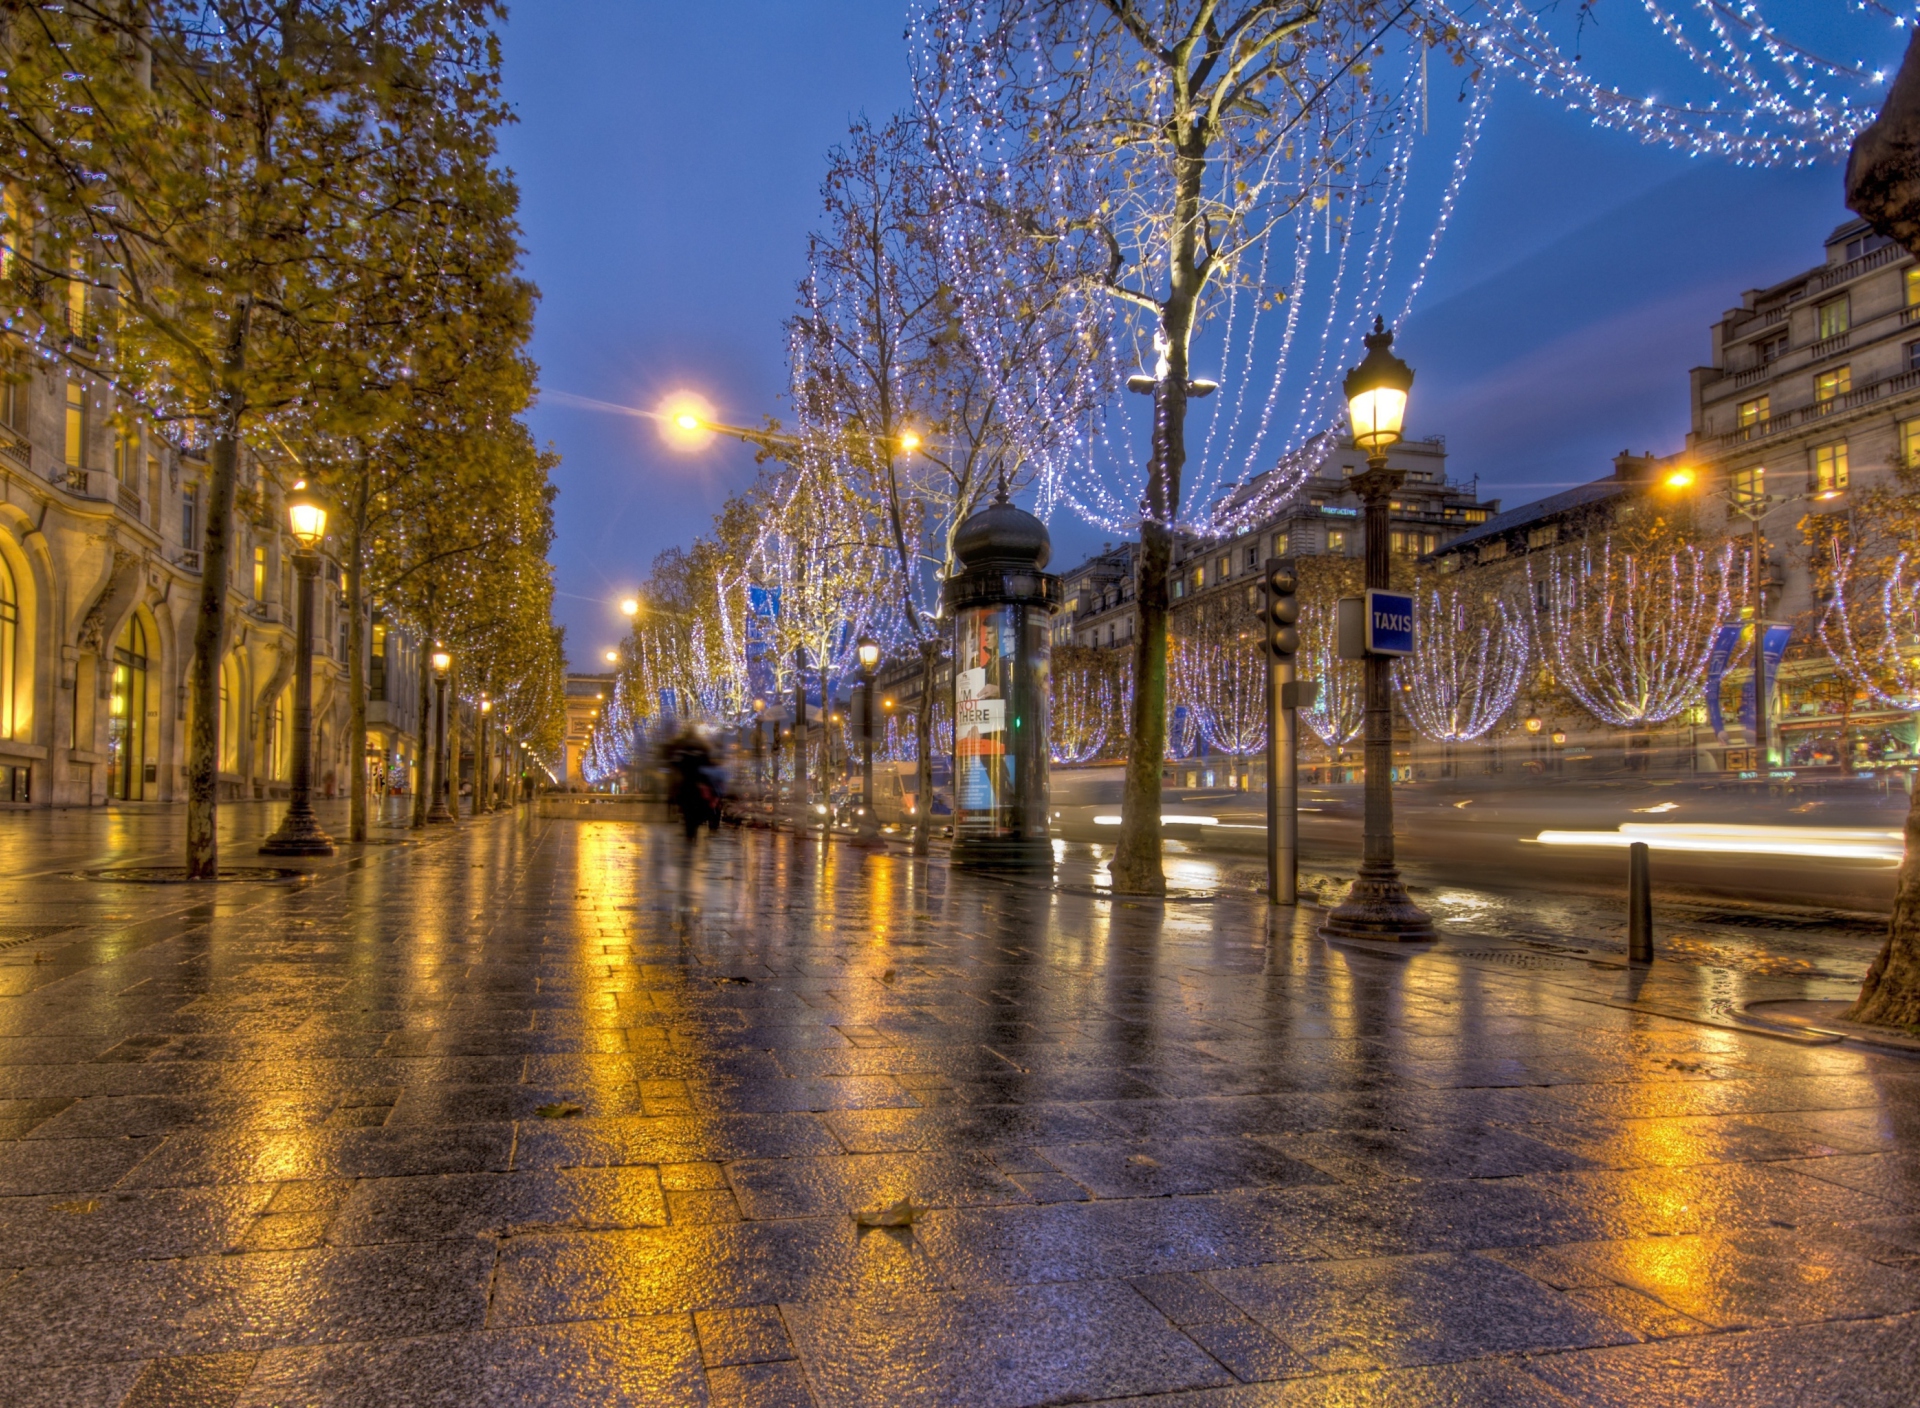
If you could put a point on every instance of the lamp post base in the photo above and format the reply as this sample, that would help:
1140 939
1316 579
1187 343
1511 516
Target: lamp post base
1378 907
299 835
438 813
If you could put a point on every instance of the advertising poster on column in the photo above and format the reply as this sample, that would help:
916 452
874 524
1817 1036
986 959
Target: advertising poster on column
980 719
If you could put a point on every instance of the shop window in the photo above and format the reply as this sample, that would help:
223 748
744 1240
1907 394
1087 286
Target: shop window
1830 467
9 645
127 714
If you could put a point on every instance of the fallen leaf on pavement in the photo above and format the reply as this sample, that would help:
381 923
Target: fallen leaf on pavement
899 1214
82 1205
562 1110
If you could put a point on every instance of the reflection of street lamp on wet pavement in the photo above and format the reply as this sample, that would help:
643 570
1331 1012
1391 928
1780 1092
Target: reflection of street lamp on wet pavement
300 833
1378 906
438 812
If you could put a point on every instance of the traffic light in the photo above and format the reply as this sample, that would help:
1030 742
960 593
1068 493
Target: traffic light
1279 608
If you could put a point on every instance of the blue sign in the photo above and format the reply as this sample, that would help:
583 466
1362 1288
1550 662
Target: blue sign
1718 654
1389 623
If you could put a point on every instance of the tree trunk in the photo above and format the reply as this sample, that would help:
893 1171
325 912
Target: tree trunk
923 745
1890 997
1137 857
1883 184
424 781
356 660
210 620
453 739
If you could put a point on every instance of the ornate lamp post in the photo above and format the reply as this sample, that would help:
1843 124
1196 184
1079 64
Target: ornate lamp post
300 833
1378 906
869 653
439 812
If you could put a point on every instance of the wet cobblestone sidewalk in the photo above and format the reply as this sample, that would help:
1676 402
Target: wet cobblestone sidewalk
553 1112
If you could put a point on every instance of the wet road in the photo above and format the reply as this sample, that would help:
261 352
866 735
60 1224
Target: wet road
552 1112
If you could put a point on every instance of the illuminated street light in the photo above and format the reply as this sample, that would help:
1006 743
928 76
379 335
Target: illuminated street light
612 657
439 812
630 606
909 441
299 833
1378 906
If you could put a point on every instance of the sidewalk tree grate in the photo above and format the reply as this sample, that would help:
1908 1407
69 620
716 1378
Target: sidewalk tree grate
13 935
1517 958
177 875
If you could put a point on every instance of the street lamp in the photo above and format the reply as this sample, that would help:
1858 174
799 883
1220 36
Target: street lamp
439 811
869 652
1378 906
300 833
630 606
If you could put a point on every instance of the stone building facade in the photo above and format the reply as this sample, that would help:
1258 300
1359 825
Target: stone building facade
101 524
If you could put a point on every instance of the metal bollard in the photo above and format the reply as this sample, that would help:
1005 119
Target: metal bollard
1639 905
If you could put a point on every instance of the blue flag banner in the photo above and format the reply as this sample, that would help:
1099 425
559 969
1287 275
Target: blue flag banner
1775 647
1724 640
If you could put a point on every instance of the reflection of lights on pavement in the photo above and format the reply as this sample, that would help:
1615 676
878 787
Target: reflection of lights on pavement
1166 819
1660 807
1830 843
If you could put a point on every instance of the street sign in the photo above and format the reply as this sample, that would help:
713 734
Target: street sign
1389 623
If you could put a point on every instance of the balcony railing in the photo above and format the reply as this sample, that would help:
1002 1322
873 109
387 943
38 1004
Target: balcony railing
1827 347
15 447
1820 410
129 500
1854 268
190 559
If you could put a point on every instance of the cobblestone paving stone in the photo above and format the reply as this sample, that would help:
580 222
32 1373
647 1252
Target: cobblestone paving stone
557 1112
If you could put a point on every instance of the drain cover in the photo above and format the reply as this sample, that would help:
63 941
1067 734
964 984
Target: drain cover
13 935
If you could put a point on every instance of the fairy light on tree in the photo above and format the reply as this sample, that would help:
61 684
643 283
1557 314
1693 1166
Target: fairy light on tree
1470 658
1631 626
1085 707
1220 675
1871 624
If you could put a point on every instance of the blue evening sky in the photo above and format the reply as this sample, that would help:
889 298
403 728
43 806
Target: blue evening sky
669 157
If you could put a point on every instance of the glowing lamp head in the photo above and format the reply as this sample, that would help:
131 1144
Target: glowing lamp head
909 441
1680 479
869 652
486 705
1377 393
630 606
442 662
1559 738
686 420
1534 725
613 657
306 516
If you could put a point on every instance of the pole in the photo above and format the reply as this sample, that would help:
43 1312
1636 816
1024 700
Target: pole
299 833
869 823
799 737
1378 906
438 811
482 773
1283 784
1762 764
1639 905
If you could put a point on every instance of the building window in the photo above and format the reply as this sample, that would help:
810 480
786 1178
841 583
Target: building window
1179 587
1770 350
1492 552
1279 544
1830 386
1336 542
1865 244
1199 578
1750 484
127 714
259 573
1449 563
126 457
1543 537
1910 444
190 516
1756 413
1835 317
76 428
9 645
1223 567
1253 598
13 395
1830 467
1474 515
76 293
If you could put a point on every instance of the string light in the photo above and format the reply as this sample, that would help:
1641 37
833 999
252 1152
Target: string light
1873 643
1466 668
1631 631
